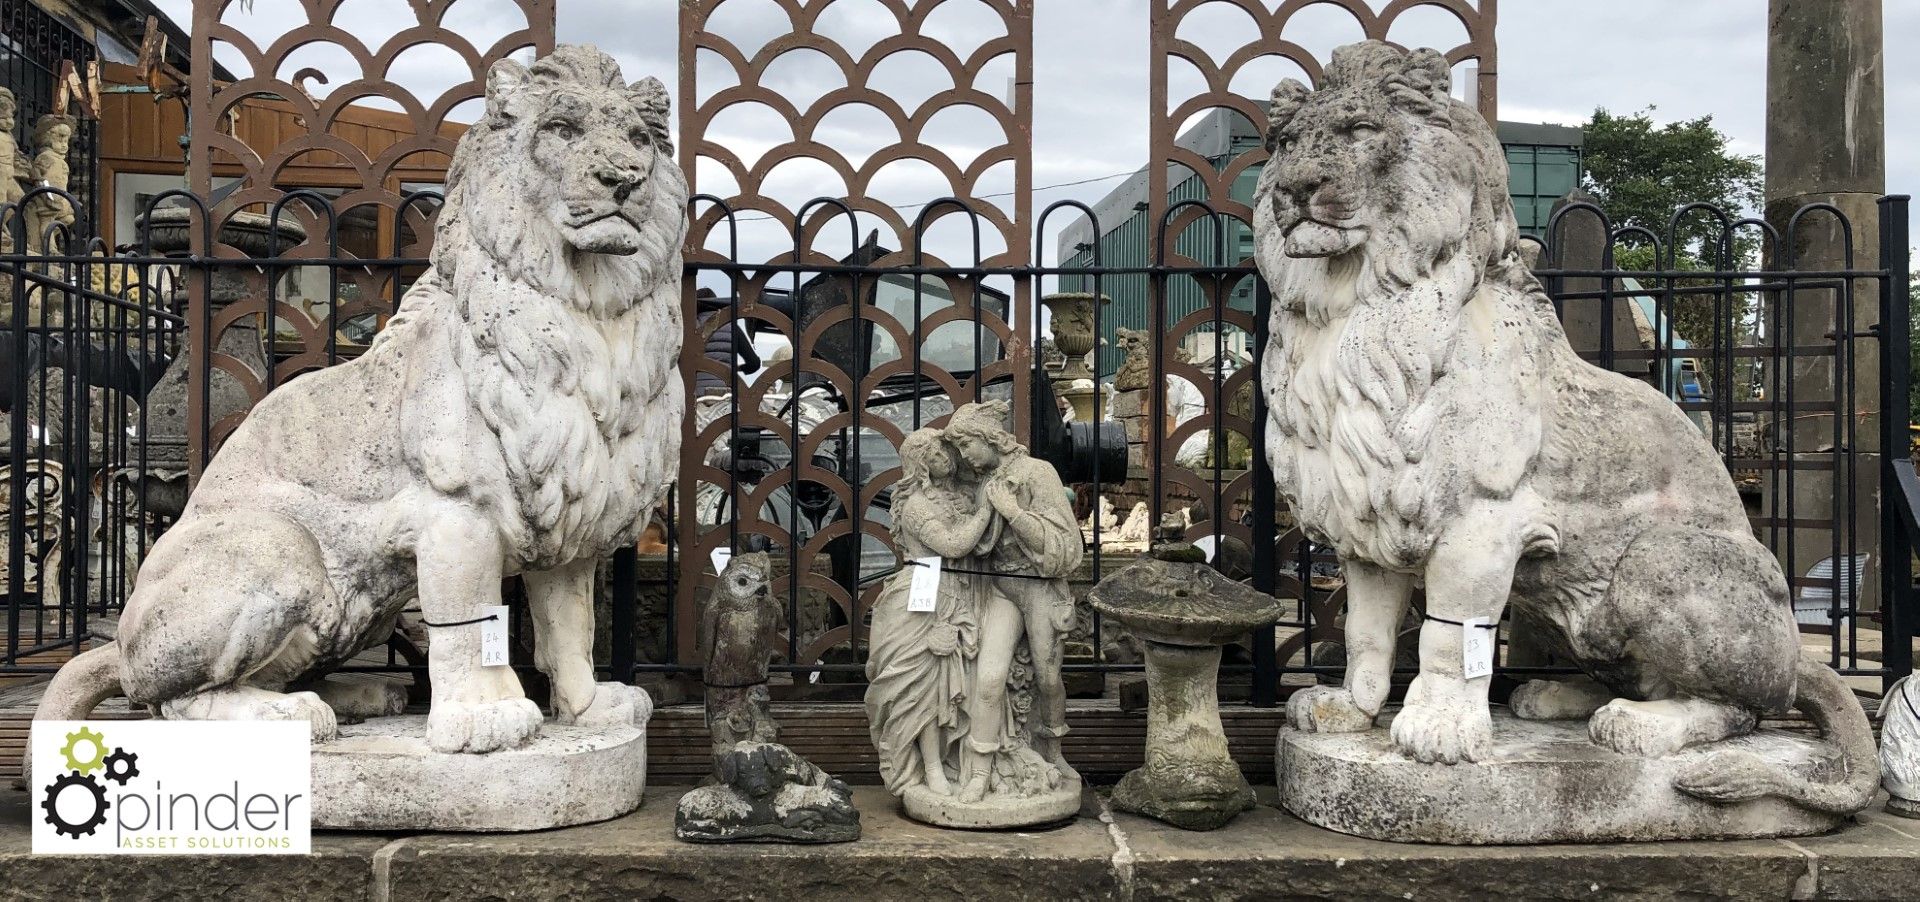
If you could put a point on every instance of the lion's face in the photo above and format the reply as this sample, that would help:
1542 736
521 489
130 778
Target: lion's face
590 142
1328 162
1367 150
595 147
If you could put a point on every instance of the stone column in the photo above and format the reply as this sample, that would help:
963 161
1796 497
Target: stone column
1826 143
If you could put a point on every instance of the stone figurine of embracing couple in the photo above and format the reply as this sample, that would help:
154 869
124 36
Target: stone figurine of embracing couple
965 700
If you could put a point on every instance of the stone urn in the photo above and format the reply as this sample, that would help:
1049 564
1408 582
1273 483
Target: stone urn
1183 612
169 232
1073 329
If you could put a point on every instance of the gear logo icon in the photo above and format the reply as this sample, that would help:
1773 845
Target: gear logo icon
69 781
85 752
122 766
91 738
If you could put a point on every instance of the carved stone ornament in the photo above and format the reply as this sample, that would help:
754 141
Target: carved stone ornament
1136 369
519 415
965 696
1072 327
762 791
1430 422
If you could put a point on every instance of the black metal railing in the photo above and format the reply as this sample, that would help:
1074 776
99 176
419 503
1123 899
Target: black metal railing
804 472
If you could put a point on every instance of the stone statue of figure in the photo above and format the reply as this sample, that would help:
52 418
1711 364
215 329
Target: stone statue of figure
920 664
762 791
13 167
52 138
965 700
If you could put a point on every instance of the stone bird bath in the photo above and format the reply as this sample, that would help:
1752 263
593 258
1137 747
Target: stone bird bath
1183 611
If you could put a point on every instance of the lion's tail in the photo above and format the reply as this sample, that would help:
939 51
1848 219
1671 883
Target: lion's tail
1734 775
92 677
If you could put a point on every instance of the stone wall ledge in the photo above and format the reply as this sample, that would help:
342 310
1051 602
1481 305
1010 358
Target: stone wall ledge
1265 854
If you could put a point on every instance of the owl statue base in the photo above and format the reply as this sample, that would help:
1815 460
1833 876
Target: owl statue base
767 794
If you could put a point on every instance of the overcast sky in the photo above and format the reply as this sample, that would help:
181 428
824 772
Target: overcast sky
1559 59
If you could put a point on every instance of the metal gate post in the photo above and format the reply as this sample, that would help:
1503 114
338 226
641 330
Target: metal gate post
1896 567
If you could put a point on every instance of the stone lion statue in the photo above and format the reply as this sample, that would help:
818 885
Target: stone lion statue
1431 422
519 415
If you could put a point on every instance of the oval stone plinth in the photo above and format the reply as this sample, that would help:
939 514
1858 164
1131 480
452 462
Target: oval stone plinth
993 813
381 775
1545 782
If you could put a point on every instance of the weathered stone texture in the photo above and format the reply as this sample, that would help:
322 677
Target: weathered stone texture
637 858
1542 782
1264 854
1431 423
380 775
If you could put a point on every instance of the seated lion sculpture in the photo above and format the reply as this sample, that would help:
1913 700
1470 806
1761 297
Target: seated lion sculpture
1431 423
519 415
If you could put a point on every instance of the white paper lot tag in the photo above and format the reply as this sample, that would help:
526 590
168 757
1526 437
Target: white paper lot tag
1476 647
1205 544
720 558
925 589
493 636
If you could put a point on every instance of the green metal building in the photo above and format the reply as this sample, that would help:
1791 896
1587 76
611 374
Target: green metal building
1543 163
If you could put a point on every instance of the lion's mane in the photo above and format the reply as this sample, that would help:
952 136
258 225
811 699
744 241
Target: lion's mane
569 358
1364 337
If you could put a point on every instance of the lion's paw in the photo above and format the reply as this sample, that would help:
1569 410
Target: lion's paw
1444 732
1557 700
478 727
1327 709
359 700
617 704
1637 728
304 706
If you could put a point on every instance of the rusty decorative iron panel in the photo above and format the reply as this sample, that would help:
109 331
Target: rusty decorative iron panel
716 507
271 67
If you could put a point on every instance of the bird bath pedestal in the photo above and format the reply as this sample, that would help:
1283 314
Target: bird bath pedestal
1183 611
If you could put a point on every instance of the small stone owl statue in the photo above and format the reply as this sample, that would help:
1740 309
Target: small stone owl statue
761 791
1900 748
737 628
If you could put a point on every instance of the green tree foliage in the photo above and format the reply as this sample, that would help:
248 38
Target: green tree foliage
1641 172
1913 348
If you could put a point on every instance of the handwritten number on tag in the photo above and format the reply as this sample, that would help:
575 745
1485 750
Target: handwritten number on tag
493 636
1476 647
925 589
